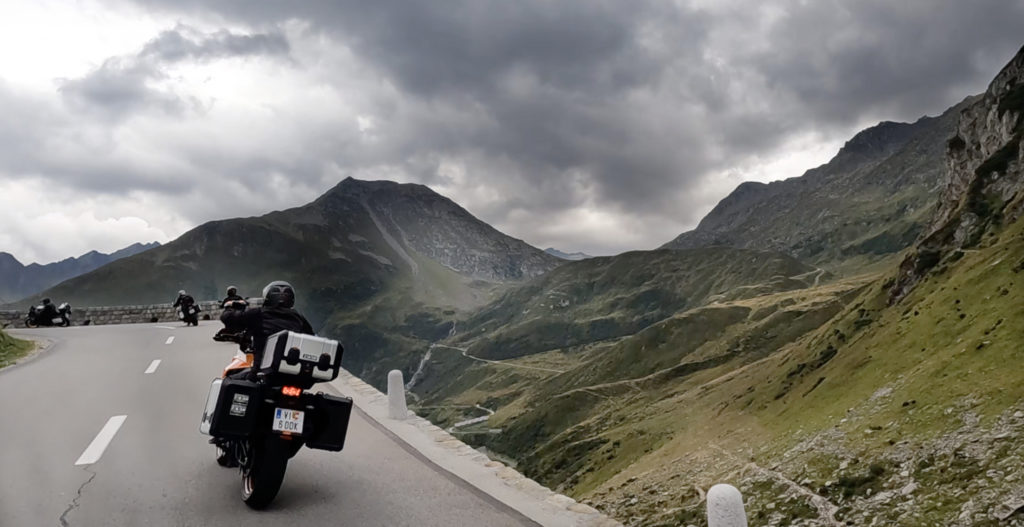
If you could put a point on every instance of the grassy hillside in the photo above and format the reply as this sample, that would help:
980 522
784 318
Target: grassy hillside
918 403
602 298
12 349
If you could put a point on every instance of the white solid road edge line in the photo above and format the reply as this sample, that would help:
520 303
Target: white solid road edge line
95 449
169 340
152 366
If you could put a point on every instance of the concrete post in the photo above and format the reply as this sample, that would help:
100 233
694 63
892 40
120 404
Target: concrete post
396 396
725 507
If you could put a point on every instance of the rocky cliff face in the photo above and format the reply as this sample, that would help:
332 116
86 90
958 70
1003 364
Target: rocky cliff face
984 180
869 201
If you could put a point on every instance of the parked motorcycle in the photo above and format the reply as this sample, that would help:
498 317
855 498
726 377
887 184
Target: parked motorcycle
37 316
260 421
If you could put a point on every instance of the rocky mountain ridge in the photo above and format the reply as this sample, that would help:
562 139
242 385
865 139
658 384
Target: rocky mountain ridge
870 201
18 280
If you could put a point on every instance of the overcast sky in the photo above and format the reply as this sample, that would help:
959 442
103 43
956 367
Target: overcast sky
596 126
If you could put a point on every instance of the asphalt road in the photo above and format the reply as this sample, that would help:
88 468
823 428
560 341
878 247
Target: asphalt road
158 470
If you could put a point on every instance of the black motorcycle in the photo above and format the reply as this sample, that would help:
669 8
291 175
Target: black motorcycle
261 420
38 316
189 314
228 333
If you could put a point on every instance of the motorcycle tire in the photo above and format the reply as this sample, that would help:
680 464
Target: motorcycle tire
64 323
30 324
264 476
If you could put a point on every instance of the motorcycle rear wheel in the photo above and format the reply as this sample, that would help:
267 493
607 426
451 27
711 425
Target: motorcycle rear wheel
30 324
263 478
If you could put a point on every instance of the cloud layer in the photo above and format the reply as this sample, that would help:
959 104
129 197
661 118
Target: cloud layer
597 126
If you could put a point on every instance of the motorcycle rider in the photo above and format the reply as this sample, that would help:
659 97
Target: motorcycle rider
233 296
277 314
188 306
232 302
48 313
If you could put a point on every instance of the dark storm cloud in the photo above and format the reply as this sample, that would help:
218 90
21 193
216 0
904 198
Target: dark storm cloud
627 106
122 85
842 60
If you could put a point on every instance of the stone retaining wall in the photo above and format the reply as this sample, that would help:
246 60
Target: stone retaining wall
118 314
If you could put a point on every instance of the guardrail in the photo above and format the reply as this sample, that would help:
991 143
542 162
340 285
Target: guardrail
102 315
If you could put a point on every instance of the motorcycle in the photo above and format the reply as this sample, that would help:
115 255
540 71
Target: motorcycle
229 334
261 418
189 314
37 318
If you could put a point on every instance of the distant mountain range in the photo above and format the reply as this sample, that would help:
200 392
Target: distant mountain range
18 281
567 256
380 265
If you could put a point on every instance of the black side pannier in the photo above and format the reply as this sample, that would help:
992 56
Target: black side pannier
330 422
230 409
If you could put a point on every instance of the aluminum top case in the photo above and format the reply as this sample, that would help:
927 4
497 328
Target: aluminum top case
305 357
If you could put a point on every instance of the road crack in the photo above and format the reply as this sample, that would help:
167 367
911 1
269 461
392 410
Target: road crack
74 502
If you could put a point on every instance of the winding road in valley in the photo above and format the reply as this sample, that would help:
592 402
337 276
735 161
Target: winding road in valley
101 428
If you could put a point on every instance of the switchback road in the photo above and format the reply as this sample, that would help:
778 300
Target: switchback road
124 402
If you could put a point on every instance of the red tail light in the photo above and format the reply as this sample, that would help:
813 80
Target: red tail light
291 391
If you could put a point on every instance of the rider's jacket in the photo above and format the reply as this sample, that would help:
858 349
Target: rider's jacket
260 323
231 298
184 301
49 312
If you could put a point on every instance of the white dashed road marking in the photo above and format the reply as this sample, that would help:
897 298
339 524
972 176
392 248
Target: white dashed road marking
169 340
95 449
152 366
163 327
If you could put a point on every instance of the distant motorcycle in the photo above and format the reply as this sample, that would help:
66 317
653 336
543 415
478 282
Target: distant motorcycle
229 334
189 314
37 316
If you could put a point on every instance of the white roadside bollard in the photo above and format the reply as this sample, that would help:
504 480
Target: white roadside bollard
725 507
396 396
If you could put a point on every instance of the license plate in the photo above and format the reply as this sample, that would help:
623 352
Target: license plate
287 420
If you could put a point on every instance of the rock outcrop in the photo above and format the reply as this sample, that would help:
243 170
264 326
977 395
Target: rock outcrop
984 179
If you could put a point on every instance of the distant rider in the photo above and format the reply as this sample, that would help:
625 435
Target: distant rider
233 296
232 302
277 314
49 312
189 309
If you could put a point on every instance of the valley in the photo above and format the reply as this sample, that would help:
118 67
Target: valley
840 345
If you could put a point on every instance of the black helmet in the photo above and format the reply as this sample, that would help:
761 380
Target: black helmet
46 301
278 294
232 290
